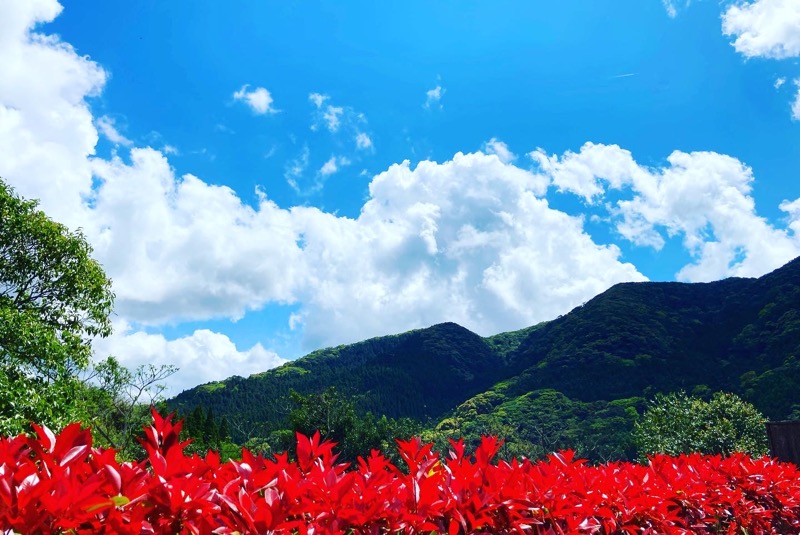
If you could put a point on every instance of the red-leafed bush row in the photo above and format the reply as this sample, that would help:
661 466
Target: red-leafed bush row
55 484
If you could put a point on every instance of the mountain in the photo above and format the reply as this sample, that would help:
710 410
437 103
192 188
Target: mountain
639 338
578 380
420 374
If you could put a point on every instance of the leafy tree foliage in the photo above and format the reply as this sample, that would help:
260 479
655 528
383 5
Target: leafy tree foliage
336 419
207 432
677 423
539 423
54 299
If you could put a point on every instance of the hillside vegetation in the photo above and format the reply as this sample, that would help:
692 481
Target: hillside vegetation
578 381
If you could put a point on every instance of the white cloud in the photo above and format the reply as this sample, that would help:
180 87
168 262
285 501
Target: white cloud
108 128
796 103
327 115
333 165
331 117
296 168
702 196
363 141
472 239
764 28
500 149
46 128
329 167
201 357
779 82
433 97
339 119
672 7
179 248
469 240
259 99
318 99
793 210
170 149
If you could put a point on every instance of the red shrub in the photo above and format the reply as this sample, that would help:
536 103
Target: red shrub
55 484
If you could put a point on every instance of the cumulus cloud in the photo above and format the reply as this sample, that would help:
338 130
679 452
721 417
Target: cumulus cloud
779 82
704 197
471 239
179 248
200 357
259 100
47 131
468 240
433 97
764 28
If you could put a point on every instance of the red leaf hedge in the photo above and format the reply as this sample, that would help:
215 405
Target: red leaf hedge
59 484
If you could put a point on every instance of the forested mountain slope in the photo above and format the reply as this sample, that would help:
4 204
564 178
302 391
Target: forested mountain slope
581 377
420 374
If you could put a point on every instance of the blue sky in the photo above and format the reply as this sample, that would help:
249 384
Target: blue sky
240 170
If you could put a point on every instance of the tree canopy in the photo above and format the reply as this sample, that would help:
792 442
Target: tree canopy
54 299
677 423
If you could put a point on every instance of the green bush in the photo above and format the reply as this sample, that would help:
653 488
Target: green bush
676 423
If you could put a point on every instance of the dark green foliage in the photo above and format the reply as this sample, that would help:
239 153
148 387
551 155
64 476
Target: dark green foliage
677 423
577 381
335 418
544 421
420 374
208 432
643 338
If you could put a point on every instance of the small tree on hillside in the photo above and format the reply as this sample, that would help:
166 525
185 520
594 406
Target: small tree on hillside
676 423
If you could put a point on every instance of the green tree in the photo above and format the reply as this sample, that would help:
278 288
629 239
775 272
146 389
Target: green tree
118 401
336 419
54 299
676 423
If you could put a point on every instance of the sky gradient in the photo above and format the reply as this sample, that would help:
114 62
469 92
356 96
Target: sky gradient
261 179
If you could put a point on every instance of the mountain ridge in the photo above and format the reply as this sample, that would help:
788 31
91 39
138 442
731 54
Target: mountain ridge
602 358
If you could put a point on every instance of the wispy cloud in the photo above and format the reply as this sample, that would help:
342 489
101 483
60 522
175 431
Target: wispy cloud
433 97
363 141
333 165
318 99
108 128
296 168
672 8
499 149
